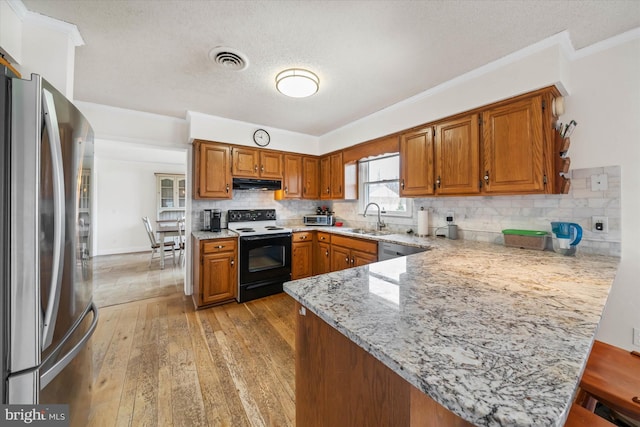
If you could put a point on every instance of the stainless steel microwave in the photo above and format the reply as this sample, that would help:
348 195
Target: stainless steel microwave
318 220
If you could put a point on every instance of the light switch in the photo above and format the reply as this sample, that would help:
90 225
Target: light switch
599 182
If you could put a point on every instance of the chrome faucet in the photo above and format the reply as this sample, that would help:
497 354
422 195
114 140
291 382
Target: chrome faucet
380 224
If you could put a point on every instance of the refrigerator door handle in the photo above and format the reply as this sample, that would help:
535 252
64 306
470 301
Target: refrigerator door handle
51 313
51 373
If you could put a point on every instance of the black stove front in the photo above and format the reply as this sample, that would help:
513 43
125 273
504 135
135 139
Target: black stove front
264 259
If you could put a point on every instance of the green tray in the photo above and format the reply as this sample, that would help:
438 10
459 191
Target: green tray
525 232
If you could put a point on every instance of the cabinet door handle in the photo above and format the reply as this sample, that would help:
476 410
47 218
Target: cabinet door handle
326 253
328 190
286 190
486 177
438 181
233 262
402 184
353 260
262 168
255 168
220 246
322 238
347 260
227 189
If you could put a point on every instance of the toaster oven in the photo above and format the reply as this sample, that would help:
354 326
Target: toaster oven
318 220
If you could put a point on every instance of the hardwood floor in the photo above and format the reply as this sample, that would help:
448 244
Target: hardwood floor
158 362
127 277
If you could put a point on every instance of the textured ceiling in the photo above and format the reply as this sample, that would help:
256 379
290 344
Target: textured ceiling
153 55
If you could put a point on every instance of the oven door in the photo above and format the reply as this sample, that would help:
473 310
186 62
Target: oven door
265 258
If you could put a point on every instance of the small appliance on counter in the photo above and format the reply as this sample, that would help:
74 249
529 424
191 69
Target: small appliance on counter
567 236
206 220
319 219
216 220
211 220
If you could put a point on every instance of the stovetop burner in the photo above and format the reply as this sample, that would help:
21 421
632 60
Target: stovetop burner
254 222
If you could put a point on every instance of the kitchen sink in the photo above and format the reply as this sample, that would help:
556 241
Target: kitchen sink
368 232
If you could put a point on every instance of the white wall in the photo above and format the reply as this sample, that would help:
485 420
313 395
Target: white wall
211 128
39 44
605 101
126 191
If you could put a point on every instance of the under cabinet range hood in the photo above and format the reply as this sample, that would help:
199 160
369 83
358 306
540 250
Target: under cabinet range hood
256 184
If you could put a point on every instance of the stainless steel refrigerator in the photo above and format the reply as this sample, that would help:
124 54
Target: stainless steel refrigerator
47 313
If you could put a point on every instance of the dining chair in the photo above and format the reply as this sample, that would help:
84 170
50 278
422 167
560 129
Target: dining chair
159 248
181 240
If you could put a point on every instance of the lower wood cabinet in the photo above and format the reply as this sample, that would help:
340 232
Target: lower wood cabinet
215 271
302 254
322 253
340 384
347 252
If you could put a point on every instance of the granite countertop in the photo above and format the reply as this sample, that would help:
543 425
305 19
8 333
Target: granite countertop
386 236
207 235
499 336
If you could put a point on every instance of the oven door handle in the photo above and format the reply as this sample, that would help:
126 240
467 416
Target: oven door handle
264 236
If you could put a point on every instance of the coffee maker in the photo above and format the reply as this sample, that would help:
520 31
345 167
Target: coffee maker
216 220
212 220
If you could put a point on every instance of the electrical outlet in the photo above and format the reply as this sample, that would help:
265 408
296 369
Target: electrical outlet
600 224
636 336
449 218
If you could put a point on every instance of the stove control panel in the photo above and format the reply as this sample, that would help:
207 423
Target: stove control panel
244 215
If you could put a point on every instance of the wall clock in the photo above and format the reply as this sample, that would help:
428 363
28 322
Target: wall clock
261 137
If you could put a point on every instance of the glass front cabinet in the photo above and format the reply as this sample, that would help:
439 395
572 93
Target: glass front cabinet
171 191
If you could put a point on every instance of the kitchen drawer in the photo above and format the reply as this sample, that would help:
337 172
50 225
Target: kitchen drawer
362 245
324 237
302 236
219 245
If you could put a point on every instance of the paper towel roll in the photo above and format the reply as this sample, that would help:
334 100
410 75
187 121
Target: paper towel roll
423 223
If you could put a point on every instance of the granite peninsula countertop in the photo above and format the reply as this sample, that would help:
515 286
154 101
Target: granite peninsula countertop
497 335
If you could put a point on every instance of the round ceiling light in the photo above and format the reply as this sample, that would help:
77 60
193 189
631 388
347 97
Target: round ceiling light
297 83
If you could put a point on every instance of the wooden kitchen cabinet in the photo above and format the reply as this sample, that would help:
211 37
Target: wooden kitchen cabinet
212 170
416 163
347 252
322 253
215 271
292 182
302 255
332 176
340 384
311 178
516 153
252 163
457 159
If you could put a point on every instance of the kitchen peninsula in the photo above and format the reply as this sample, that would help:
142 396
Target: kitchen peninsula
467 333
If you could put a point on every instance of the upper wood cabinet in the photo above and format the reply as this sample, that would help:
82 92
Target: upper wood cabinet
212 170
252 163
332 176
457 162
513 152
310 178
416 163
337 176
292 183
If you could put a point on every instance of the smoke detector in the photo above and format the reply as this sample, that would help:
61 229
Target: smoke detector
229 58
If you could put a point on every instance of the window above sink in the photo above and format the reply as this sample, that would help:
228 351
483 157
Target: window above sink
379 181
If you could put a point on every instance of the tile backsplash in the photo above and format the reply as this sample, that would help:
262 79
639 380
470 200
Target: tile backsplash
480 218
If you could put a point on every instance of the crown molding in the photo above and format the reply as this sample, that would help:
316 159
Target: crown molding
37 19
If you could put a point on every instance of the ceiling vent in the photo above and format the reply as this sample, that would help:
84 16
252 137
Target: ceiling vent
228 58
